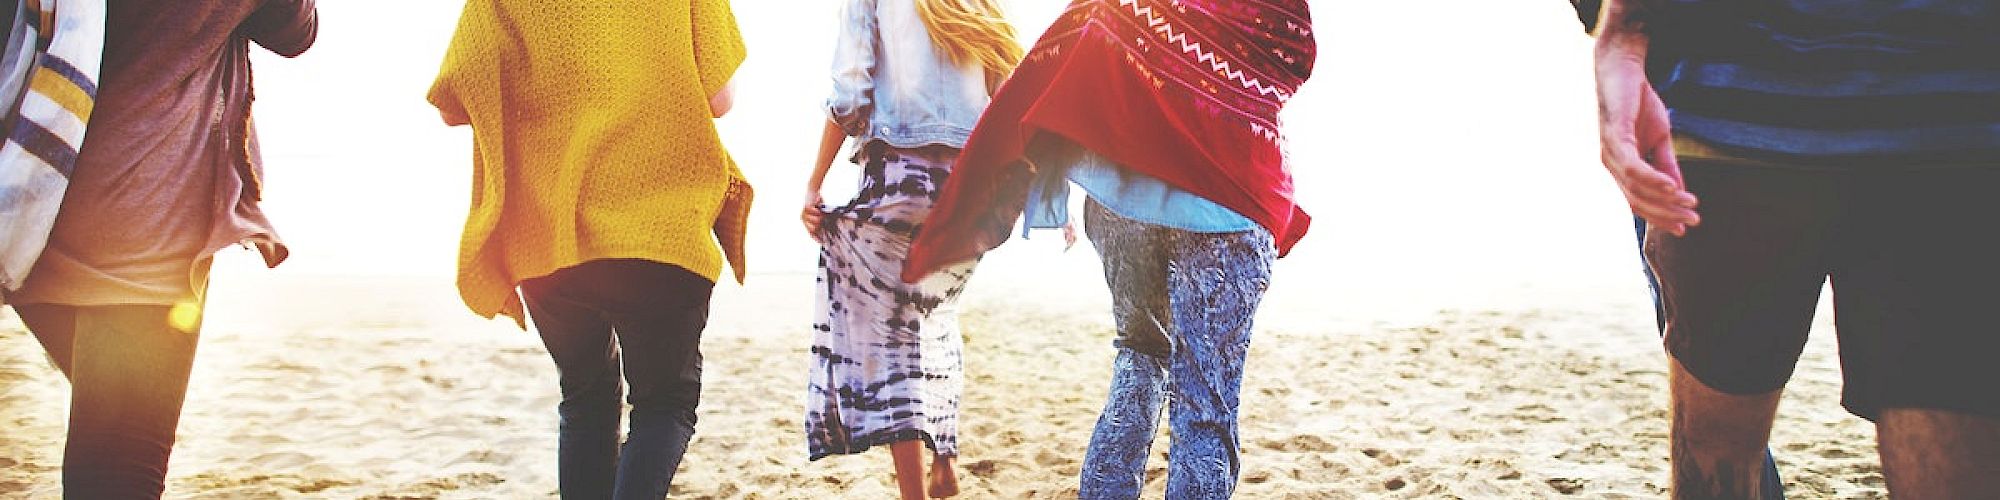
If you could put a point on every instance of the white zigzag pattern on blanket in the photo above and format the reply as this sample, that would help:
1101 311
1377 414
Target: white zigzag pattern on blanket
1160 24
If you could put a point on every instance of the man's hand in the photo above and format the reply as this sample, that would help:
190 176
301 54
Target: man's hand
1635 138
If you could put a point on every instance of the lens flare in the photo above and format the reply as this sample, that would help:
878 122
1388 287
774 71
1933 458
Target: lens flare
185 317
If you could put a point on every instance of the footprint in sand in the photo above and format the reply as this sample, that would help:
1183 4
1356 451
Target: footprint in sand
1538 413
1259 476
1386 458
1567 486
12 488
1059 463
462 481
259 441
483 457
1309 443
983 469
1395 484
1010 438
281 460
1595 453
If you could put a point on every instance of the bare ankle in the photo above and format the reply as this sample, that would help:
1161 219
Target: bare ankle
1718 481
943 480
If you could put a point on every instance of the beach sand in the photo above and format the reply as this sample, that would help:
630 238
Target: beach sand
362 387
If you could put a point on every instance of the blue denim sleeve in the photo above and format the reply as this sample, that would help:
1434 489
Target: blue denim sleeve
854 68
1048 202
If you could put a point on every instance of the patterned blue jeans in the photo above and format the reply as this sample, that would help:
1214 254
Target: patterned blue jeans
1183 302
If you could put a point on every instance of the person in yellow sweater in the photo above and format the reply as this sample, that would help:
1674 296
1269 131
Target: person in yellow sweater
601 191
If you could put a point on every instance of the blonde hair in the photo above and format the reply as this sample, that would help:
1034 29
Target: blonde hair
973 31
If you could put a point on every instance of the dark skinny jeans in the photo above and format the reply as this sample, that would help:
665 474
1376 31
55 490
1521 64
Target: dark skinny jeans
650 316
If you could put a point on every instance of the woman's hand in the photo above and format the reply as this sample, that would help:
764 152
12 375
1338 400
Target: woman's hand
720 103
831 137
1635 137
813 214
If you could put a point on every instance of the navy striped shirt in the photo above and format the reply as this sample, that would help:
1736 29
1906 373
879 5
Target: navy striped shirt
1834 82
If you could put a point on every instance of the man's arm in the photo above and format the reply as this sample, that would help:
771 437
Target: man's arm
1635 138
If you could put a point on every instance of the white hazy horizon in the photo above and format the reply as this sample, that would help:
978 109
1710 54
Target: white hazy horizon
1445 149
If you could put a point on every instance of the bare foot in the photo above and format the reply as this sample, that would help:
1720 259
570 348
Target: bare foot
944 480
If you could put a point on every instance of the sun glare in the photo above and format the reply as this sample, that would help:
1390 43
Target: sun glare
185 317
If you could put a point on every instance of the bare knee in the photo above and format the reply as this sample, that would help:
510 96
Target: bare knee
1718 438
1712 420
1939 454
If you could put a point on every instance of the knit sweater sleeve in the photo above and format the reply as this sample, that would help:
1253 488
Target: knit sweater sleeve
470 36
445 98
718 45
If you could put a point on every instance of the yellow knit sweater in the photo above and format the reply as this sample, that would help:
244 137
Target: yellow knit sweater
592 139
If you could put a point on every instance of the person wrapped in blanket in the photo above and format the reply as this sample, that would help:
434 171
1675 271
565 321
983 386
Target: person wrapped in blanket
1190 201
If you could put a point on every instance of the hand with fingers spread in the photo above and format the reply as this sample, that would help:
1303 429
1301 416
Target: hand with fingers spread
1636 139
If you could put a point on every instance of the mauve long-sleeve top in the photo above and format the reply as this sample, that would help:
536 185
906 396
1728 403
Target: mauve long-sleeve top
169 173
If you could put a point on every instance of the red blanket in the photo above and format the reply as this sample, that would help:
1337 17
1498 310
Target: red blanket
1187 91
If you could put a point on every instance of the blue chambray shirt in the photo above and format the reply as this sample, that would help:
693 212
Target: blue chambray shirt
1128 193
890 84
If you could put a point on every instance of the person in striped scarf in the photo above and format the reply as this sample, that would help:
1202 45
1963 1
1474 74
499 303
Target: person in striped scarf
1773 147
168 176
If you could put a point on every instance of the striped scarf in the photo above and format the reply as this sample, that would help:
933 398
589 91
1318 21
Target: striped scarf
50 68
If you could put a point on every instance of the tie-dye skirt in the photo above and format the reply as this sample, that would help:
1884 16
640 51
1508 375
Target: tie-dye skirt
886 354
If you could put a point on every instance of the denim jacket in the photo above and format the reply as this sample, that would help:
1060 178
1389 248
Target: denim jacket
890 84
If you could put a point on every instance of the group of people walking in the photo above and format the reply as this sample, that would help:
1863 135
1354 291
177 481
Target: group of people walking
1765 147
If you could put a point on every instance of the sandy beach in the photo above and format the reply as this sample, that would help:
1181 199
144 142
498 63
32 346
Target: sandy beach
1466 320
380 388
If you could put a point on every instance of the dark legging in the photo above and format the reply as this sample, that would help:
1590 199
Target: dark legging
128 370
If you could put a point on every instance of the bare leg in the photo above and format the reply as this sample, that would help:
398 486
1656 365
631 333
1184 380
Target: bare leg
944 480
909 468
1718 439
1939 454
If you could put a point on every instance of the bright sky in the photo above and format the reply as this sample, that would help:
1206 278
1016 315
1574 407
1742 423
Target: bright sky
1444 147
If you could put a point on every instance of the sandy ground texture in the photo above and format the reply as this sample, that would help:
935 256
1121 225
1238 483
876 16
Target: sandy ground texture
294 397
